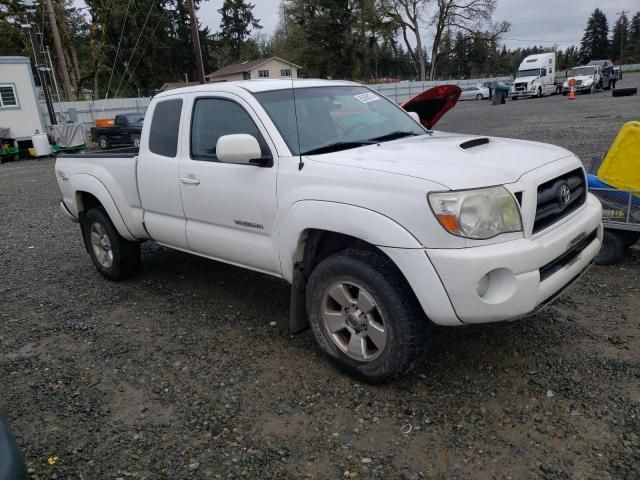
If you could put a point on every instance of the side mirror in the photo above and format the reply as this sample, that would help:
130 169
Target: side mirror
415 116
241 148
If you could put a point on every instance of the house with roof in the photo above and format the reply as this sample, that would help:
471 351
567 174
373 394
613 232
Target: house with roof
272 67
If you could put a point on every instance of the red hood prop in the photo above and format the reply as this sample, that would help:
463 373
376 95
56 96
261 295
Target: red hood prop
432 104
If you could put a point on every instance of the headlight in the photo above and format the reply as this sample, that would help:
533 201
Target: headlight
477 214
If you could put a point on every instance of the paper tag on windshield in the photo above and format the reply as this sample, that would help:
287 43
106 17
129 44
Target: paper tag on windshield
367 97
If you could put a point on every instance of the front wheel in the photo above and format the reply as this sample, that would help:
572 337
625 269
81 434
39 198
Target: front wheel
479 97
113 256
612 249
364 315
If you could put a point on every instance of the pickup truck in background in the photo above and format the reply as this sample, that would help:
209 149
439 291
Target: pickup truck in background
381 225
125 131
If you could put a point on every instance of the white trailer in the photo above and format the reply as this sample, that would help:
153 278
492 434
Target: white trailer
19 110
536 76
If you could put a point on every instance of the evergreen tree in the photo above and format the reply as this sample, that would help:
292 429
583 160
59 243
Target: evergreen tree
236 25
620 36
595 41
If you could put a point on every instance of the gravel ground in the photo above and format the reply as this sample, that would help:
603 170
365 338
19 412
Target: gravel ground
188 370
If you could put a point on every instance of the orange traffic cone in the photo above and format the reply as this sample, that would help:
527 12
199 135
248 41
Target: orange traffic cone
572 92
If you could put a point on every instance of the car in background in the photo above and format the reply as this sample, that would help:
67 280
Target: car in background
474 93
125 131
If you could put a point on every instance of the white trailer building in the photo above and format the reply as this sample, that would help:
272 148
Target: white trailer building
19 109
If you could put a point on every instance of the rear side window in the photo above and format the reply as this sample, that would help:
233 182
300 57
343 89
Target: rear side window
163 137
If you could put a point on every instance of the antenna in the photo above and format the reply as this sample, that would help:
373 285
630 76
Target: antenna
295 113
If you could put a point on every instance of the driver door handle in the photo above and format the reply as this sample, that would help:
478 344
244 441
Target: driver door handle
190 180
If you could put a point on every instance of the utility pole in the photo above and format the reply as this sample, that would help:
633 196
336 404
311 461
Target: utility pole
40 66
196 41
622 32
62 64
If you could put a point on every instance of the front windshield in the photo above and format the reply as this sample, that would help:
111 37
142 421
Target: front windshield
340 116
582 71
532 72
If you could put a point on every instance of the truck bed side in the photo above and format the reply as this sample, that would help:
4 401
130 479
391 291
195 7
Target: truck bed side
111 178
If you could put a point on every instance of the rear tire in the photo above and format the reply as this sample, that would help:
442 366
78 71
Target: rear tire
612 249
364 315
479 97
114 257
103 141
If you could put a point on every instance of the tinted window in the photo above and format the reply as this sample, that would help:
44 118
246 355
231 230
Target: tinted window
213 118
163 137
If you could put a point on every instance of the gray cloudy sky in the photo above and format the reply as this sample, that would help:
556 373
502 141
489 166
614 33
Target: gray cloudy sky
533 22
543 21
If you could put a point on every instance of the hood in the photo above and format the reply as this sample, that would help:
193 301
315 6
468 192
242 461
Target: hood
454 161
525 79
432 104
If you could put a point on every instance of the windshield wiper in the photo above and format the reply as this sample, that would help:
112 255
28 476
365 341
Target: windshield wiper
335 147
394 136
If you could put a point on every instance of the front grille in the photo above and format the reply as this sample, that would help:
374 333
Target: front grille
551 206
567 257
521 86
578 82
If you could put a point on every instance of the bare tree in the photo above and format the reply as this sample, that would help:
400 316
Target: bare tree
468 16
409 14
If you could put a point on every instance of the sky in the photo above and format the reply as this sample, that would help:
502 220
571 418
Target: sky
533 22
544 21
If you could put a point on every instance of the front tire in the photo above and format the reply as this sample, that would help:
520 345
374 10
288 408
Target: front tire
114 257
364 315
612 249
479 97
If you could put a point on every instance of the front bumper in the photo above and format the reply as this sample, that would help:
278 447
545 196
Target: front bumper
577 89
521 274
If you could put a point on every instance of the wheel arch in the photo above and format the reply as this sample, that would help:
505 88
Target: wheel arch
91 193
314 230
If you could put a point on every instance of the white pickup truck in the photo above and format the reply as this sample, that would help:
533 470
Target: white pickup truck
380 224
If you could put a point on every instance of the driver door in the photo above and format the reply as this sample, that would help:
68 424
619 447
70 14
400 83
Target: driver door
230 209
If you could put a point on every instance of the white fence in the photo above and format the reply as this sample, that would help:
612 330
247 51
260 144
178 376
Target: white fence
88 111
401 91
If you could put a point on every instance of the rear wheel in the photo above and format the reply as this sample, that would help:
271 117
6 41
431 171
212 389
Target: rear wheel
365 316
103 142
113 256
479 97
612 249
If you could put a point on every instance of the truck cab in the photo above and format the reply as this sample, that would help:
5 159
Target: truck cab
536 77
587 79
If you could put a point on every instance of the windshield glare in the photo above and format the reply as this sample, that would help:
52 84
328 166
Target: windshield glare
135 117
335 114
576 72
532 72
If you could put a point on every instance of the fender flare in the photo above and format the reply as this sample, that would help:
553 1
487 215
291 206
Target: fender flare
83 182
358 222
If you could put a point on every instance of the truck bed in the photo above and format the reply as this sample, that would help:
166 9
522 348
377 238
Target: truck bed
111 172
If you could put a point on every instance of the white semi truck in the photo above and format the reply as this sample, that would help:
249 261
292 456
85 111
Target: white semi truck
536 76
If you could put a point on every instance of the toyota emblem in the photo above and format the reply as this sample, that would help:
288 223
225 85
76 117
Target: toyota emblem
564 195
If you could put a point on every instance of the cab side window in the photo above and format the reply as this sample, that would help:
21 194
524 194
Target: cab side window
214 118
165 125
